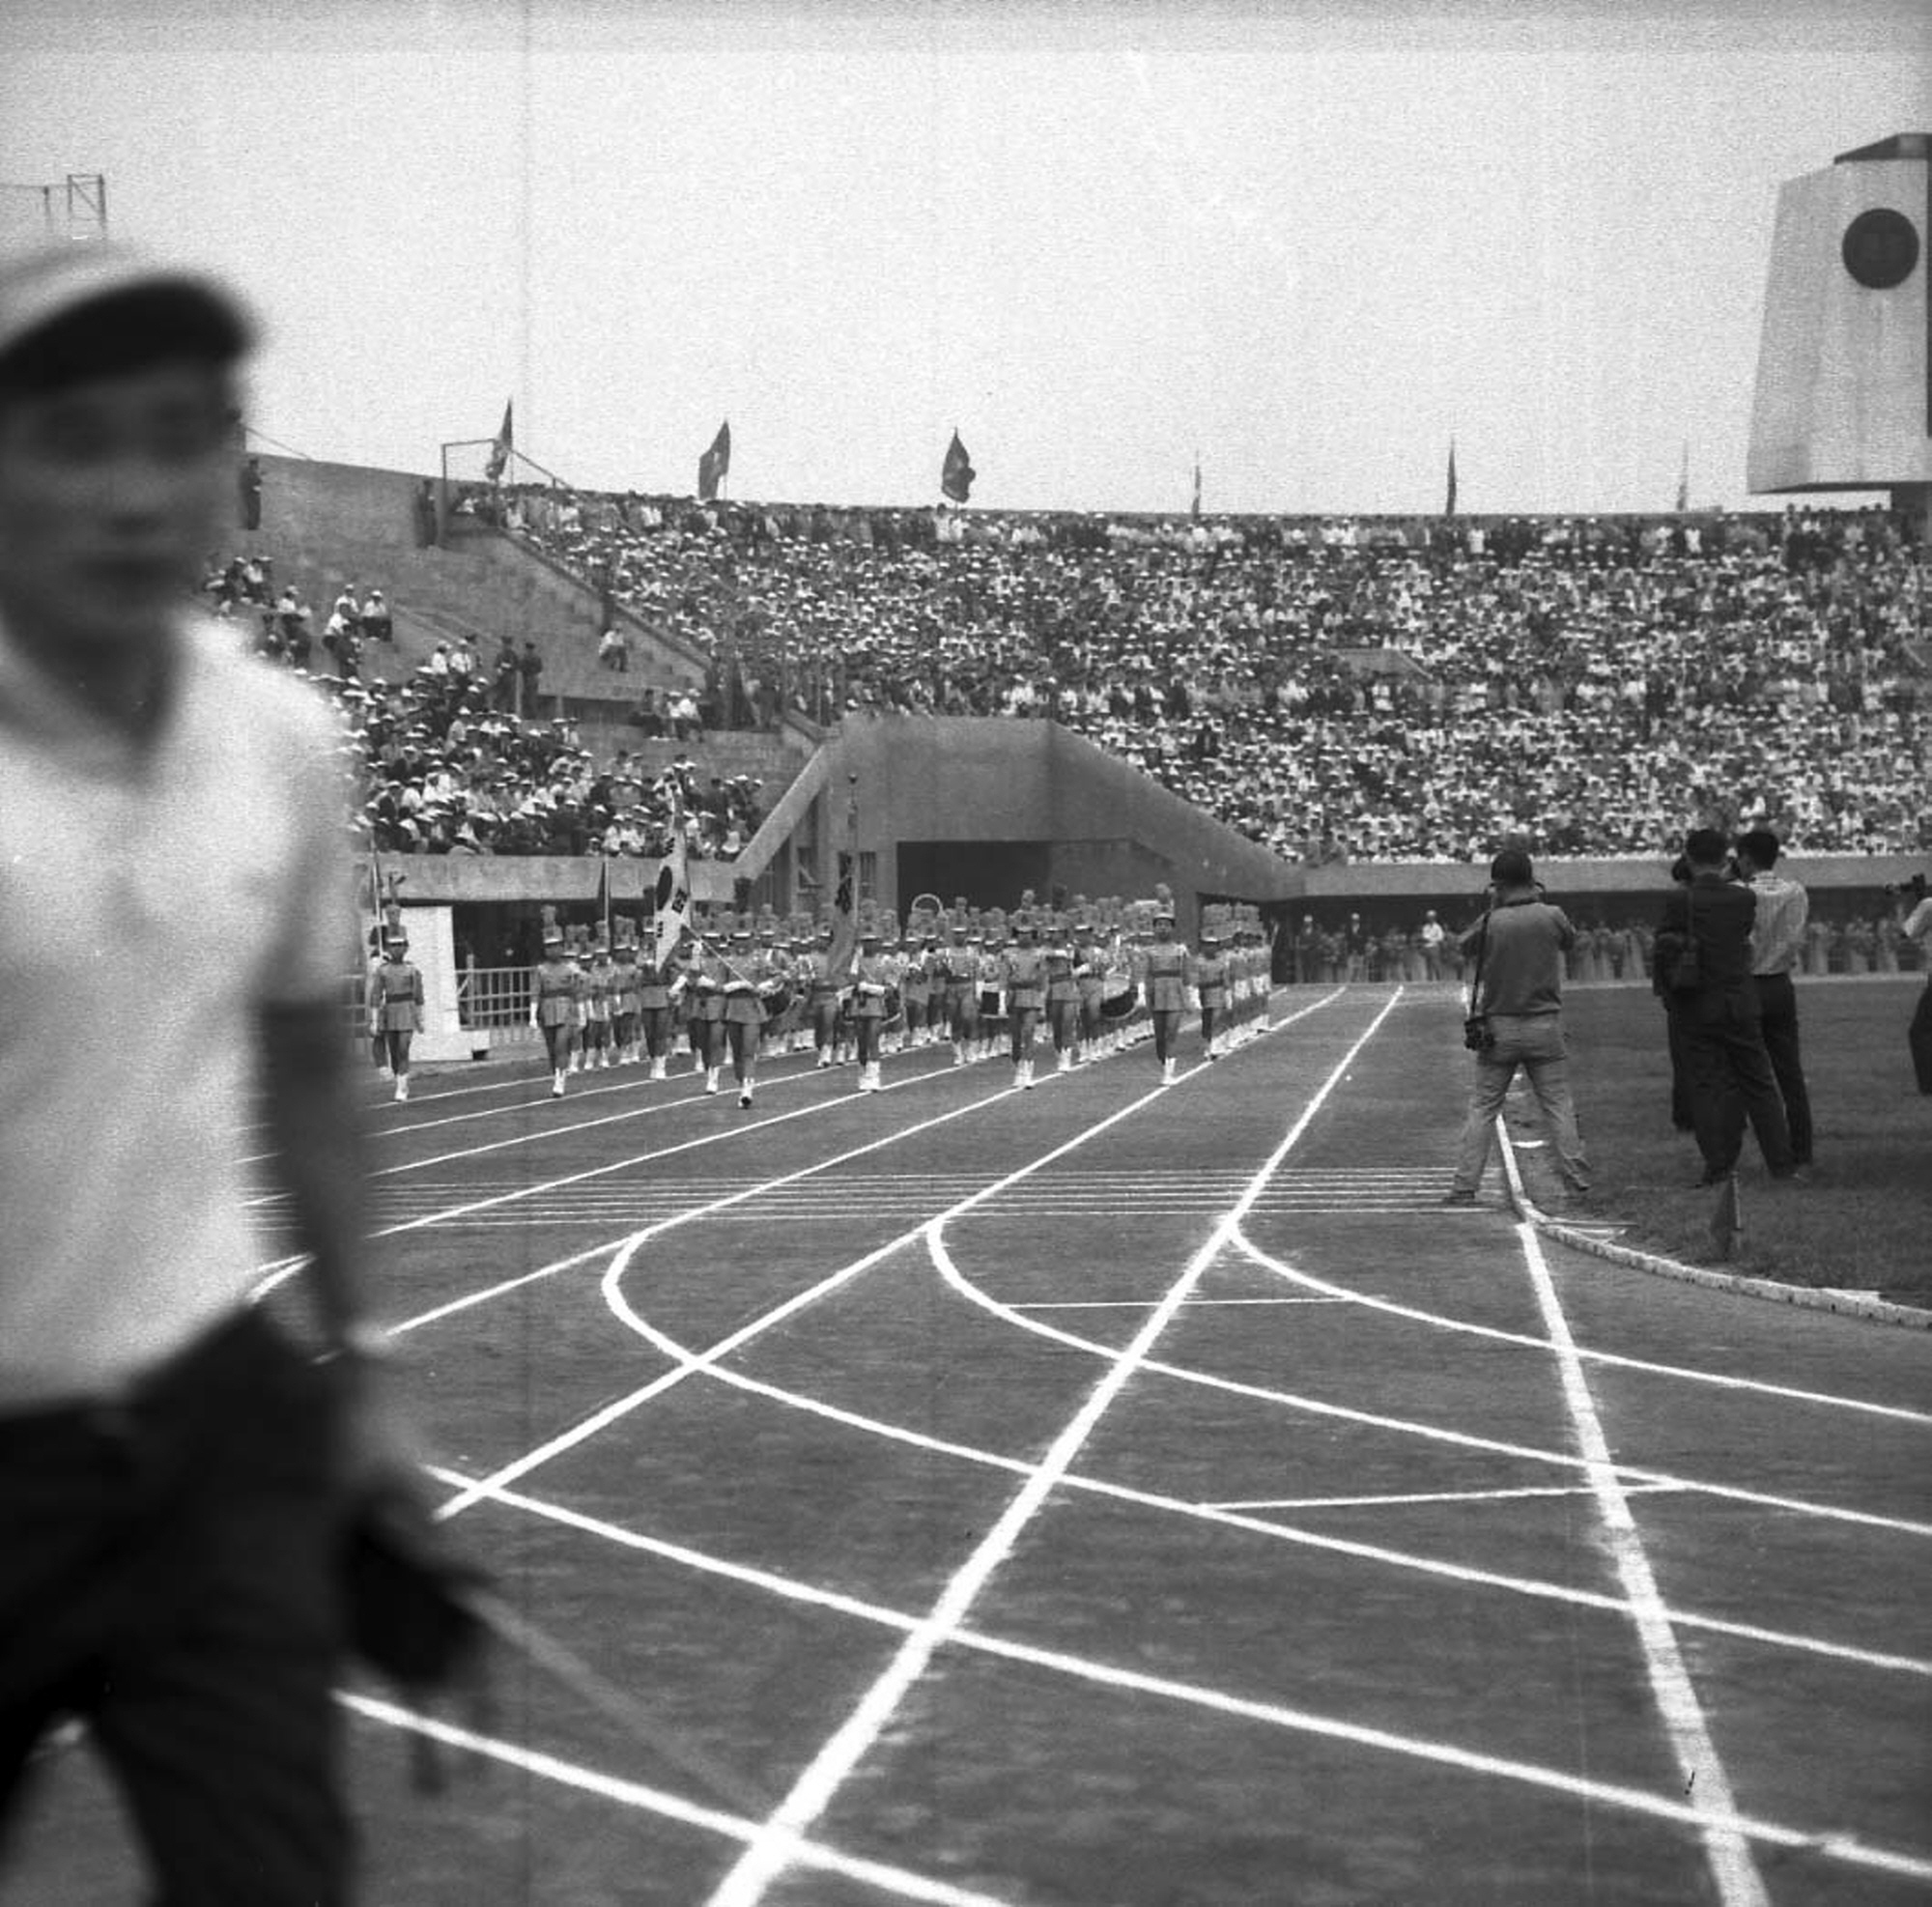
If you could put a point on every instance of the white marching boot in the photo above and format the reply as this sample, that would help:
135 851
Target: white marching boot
1166 1073
658 1068
711 1078
556 1084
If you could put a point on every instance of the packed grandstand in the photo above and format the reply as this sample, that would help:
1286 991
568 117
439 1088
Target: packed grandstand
1336 689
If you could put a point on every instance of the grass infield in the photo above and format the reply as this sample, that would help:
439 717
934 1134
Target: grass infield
1860 1223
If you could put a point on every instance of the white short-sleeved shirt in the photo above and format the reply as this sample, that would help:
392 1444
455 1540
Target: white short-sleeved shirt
152 901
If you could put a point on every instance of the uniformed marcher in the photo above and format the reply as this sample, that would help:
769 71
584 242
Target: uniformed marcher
1062 996
1167 977
396 1000
871 981
1023 982
957 966
554 1000
822 989
707 976
1211 983
598 979
626 989
749 976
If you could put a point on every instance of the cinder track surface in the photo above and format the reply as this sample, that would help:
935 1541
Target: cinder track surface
1116 1494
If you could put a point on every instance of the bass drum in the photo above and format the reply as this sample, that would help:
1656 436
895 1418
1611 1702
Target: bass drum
989 1003
777 998
895 1014
1117 997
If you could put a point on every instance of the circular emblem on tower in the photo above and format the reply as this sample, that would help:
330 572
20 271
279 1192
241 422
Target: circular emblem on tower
1880 248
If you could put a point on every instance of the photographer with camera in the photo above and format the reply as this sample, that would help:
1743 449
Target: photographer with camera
1918 925
1516 1019
1705 955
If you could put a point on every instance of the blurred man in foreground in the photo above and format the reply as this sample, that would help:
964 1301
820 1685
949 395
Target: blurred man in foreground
173 1469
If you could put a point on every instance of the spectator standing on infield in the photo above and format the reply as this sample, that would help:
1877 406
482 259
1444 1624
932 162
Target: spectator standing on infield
1718 1020
1432 936
1520 941
1778 932
174 1473
1918 925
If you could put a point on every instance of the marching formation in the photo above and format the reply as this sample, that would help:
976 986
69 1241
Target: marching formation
1079 982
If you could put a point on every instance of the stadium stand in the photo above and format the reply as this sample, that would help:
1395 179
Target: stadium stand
1369 689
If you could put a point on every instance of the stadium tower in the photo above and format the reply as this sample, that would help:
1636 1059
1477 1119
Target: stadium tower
1844 374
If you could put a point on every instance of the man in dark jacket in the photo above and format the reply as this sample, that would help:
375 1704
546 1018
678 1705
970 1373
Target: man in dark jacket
1705 953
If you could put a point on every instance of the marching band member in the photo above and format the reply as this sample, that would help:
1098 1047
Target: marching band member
396 1000
957 969
1211 982
752 979
554 1000
656 1012
1090 975
1166 979
871 980
1023 979
915 985
822 991
597 984
1063 996
626 987
708 974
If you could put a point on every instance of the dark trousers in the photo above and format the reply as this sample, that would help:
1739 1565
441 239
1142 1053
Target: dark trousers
1918 1037
1730 1078
1777 1018
168 1573
1680 1072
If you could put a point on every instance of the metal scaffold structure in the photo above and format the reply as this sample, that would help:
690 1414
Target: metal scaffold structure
74 209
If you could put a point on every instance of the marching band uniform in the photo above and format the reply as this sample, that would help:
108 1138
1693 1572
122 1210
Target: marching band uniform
707 1026
626 984
1063 1000
554 1005
396 1006
822 991
1167 974
747 978
1023 977
597 986
656 1014
958 975
1092 984
1210 980
915 989
871 980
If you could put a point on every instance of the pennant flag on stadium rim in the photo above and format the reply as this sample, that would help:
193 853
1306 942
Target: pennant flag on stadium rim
1684 479
715 464
1449 503
1194 510
604 895
674 893
500 447
956 474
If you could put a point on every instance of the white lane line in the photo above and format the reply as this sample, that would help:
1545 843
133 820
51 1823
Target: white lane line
1728 1851
1721 1380
1083 1668
1147 1304
1411 1427
1431 1496
1300 1538
772 1852
898 1881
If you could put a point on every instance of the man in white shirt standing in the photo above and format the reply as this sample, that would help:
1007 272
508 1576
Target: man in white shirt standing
174 1472
1778 933
1918 925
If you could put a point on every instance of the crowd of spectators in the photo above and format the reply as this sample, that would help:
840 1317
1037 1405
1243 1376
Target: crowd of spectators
447 762
445 771
1340 689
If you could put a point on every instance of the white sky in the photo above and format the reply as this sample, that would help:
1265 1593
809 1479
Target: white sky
1307 243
